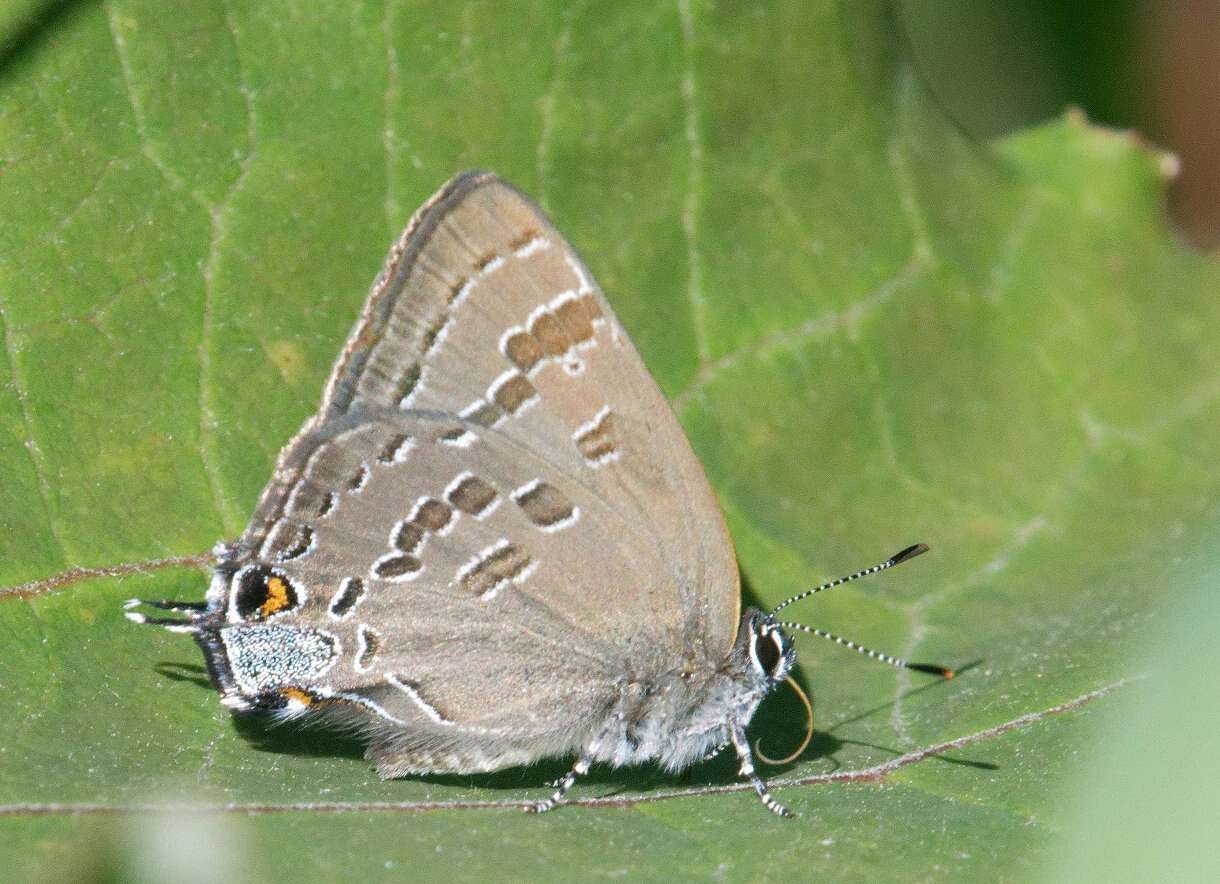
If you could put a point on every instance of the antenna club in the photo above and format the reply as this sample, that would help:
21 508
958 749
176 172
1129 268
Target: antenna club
909 553
933 669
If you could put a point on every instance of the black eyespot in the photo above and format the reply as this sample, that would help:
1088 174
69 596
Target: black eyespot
767 652
261 593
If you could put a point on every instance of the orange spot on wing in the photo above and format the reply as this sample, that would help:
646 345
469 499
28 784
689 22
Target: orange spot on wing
303 697
277 597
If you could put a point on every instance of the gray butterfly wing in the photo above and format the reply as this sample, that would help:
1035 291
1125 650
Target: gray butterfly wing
494 510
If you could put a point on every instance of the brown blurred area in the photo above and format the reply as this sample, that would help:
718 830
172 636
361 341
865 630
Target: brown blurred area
1183 40
1148 65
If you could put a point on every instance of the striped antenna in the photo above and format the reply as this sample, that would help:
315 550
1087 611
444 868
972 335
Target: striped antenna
896 559
931 668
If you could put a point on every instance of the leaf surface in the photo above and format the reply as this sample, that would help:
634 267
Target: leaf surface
874 331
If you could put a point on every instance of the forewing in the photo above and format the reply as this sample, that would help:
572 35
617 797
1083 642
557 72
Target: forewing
484 311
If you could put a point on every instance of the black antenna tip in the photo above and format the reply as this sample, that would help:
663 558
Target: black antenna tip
932 669
909 553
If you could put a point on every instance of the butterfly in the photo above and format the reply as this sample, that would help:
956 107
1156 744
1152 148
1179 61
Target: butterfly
493 543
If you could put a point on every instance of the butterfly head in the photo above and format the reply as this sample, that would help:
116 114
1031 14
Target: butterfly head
770 652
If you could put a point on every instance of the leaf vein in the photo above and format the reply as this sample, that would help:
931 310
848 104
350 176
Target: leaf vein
119 39
76 575
32 448
546 103
219 217
692 204
819 327
389 100
873 774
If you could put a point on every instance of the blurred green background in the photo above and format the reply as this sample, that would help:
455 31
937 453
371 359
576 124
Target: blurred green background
1148 65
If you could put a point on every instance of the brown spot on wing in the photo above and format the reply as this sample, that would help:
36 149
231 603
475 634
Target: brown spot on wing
472 495
592 308
301 544
550 334
485 414
432 514
434 332
408 537
493 569
524 351
544 505
370 644
400 565
408 382
523 238
514 392
351 590
456 289
575 319
599 441
327 503
359 477
394 448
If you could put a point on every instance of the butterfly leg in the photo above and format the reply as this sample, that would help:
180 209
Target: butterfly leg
580 768
746 769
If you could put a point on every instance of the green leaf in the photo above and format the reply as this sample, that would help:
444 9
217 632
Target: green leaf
874 331
1147 808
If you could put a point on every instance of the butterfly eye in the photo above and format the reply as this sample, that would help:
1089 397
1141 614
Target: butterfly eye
768 652
261 593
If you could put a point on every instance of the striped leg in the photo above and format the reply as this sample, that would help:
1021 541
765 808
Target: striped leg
742 745
580 768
